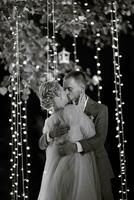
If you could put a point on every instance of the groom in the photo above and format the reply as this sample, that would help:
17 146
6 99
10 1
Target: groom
74 85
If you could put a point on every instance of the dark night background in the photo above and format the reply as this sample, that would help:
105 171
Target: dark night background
36 119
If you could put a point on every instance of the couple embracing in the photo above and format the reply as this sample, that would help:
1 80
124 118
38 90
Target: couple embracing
77 165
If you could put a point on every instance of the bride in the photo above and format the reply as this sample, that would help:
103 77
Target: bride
75 176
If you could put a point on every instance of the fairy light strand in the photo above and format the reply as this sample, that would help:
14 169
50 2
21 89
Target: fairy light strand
98 65
51 42
75 35
27 148
18 123
12 144
19 145
48 45
47 38
53 37
119 103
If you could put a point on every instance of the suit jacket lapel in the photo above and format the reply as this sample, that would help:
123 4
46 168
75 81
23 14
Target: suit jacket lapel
89 103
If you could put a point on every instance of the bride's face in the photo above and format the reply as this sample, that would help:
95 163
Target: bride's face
61 100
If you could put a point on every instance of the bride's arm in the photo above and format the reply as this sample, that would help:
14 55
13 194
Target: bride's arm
51 130
45 139
74 115
87 126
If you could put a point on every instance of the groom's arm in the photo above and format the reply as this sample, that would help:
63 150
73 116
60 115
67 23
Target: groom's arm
87 145
101 127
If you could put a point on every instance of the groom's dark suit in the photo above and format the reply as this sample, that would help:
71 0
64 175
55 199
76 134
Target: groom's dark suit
99 112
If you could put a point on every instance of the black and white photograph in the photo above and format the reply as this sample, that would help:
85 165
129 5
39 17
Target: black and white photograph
66 72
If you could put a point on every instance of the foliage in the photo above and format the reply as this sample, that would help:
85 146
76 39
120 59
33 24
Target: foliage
86 22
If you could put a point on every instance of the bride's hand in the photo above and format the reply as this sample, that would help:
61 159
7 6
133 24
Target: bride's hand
59 131
81 102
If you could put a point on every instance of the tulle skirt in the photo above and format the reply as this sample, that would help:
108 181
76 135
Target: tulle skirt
72 177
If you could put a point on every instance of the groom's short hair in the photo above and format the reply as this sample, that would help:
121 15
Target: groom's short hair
77 75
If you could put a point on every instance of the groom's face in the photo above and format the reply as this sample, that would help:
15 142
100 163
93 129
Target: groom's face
72 88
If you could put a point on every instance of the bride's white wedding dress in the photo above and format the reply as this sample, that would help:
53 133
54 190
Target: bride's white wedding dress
75 176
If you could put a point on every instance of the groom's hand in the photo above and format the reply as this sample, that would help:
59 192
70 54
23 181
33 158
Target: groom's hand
58 131
67 148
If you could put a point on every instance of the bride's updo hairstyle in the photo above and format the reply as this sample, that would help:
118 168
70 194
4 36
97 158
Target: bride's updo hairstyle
47 92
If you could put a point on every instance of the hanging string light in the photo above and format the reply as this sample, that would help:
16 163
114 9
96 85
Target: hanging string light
26 149
97 79
48 44
119 103
19 144
51 42
53 37
48 58
86 5
75 36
